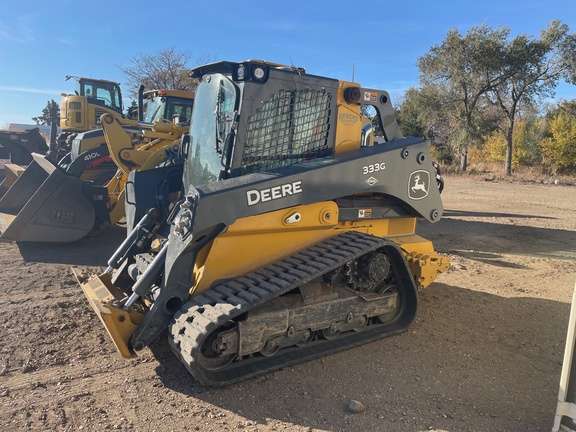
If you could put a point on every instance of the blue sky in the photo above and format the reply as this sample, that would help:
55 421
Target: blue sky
41 42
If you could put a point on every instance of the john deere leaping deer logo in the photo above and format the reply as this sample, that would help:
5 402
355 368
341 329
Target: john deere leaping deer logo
419 185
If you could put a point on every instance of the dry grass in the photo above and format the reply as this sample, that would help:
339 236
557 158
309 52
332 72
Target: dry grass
495 172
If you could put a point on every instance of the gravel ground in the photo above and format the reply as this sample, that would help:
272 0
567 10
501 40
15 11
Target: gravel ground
484 353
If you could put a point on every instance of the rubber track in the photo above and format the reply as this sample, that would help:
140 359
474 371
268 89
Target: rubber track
228 299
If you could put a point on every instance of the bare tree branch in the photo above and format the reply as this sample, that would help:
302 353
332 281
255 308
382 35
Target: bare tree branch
166 70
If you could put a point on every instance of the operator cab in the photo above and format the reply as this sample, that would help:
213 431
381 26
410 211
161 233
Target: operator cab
99 92
288 121
168 104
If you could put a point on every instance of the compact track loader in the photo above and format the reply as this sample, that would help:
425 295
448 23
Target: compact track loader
293 236
83 194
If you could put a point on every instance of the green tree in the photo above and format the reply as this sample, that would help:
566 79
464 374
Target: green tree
50 114
533 68
165 70
421 114
564 106
462 69
409 113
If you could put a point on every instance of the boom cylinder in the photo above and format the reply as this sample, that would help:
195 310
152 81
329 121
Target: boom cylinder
142 227
145 281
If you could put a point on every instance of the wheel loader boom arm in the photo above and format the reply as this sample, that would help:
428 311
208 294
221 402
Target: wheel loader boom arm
156 134
129 155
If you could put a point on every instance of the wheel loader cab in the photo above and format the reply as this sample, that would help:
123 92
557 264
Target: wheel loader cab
166 104
294 233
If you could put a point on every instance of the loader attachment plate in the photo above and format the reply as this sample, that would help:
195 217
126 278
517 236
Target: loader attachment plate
46 205
103 297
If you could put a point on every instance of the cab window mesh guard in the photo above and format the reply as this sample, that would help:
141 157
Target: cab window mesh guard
291 127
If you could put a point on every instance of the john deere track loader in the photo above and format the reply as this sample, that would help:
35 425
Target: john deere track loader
294 235
83 193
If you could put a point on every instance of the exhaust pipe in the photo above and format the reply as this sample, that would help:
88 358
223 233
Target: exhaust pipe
141 103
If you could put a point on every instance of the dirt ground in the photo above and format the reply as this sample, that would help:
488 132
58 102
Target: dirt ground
484 353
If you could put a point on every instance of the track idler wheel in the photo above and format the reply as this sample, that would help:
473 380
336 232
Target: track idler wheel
214 353
362 323
391 316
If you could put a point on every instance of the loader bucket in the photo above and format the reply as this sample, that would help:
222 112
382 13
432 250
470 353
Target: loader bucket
103 296
46 205
11 174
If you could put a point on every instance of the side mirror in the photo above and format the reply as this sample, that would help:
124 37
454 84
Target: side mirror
184 146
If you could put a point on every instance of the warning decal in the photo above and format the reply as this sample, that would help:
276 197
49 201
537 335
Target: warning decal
370 96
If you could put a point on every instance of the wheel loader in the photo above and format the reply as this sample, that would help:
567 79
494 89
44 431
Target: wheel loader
80 147
292 235
79 112
88 156
83 195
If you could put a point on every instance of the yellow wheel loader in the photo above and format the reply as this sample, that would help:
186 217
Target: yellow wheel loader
293 235
78 196
80 112
87 154
159 146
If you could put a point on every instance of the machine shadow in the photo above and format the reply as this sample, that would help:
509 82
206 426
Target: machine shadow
487 240
492 331
436 346
449 235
